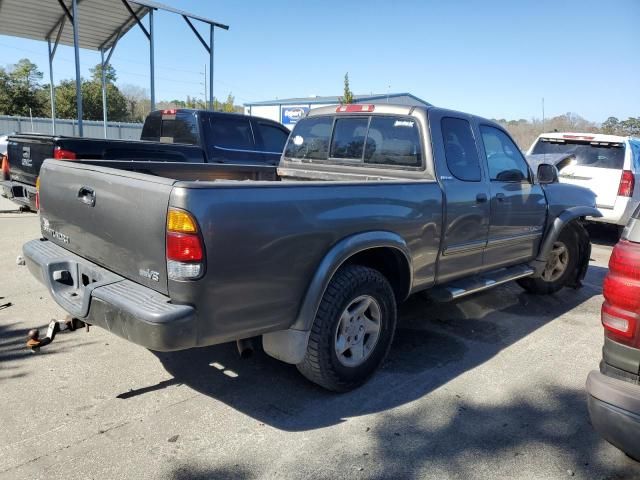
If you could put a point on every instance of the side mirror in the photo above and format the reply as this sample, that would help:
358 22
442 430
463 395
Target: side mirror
547 173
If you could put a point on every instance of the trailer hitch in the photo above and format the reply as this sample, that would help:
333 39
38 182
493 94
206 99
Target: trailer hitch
34 342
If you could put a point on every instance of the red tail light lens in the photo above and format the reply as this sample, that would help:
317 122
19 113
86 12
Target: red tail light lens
627 182
621 290
5 167
184 247
60 153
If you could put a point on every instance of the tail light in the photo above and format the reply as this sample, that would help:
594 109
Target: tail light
5 168
621 290
37 193
627 182
185 251
60 153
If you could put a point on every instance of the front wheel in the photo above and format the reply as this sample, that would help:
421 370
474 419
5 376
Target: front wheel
561 266
352 331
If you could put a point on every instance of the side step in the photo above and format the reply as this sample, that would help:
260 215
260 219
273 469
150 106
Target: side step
466 286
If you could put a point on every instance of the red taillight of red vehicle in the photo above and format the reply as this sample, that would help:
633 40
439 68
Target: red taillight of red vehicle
627 182
621 290
60 153
5 168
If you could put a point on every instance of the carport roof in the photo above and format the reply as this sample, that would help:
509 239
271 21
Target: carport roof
101 22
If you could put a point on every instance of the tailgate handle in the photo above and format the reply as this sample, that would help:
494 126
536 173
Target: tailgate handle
87 196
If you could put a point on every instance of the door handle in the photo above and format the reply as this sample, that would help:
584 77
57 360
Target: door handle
500 197
87 196
481 198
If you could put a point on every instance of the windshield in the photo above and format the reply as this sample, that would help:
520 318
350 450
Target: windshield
588 154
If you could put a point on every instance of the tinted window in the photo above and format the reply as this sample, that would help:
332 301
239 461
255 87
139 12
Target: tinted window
310 138
181 127
506 163
460 149
607 155
234 133
393 141
273 138
348 138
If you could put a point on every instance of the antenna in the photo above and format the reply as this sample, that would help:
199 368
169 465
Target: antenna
543 115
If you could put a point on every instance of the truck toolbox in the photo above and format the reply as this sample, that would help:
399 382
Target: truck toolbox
100 297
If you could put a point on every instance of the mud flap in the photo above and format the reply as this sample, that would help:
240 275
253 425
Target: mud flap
584 255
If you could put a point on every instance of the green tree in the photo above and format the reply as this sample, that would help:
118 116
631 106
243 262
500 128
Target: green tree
109 71
117 103
20 90
610 125
347 96
229 104
630 126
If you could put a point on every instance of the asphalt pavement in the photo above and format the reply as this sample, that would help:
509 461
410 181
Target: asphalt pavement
491 386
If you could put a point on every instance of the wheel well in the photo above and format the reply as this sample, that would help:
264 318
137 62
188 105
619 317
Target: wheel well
391 262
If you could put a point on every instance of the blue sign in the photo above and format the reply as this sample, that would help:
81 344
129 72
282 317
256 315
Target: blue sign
291 115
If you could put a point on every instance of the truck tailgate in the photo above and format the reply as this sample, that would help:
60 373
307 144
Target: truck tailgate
26 154
114 218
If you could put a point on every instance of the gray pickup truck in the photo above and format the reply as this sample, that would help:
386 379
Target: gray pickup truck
374 203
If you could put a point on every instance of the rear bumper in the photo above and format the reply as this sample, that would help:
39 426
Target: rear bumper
614 408
619 214
100 297
19 193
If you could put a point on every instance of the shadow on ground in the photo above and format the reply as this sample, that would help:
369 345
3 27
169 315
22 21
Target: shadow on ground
434 344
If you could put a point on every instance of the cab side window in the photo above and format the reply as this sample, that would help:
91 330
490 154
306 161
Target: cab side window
506 163
273 138
460 149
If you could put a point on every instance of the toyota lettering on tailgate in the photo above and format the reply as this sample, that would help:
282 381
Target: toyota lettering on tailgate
46 227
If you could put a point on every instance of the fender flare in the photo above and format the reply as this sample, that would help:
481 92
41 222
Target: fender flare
553 232
290 345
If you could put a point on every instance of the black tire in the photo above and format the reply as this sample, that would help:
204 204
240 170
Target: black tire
321 364
570 237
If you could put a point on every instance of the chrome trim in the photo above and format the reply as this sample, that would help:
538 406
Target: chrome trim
465 247
513 239
457 292
244 151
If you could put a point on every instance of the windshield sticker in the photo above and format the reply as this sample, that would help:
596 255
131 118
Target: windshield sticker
403 123
298 140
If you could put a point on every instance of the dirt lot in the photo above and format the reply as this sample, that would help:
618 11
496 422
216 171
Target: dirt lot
488 387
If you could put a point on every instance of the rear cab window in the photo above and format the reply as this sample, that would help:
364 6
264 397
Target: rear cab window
372 140
586 153
172 126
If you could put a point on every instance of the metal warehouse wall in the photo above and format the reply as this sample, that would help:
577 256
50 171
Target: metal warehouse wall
117 130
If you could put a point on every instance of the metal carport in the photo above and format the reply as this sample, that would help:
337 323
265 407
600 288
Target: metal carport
93 25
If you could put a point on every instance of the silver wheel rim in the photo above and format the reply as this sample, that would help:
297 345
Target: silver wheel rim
557 262
358 331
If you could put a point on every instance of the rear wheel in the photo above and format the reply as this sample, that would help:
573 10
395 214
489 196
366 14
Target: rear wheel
561 267
352 331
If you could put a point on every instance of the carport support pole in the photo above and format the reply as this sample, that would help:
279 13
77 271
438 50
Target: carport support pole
52 91
151 63
211 28
104 94
76 48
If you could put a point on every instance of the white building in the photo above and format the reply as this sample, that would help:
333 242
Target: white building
289 110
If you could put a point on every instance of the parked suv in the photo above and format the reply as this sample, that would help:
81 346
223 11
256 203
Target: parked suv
614 391
607 164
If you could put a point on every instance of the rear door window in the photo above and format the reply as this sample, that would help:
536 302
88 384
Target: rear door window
348 138
584 153
460 149
393 141
232 133
273 138
310 139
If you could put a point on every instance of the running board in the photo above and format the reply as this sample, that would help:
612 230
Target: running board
466 286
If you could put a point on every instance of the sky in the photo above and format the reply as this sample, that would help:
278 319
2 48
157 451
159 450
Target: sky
494 58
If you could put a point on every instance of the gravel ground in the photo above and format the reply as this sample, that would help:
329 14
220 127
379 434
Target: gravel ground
491 386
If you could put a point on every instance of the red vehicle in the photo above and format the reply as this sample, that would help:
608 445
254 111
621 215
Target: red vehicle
614 391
